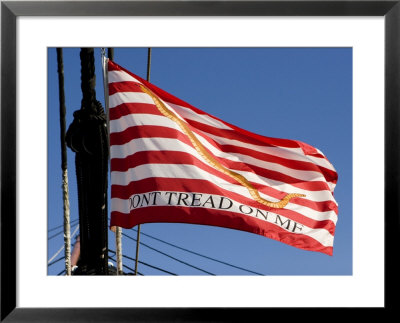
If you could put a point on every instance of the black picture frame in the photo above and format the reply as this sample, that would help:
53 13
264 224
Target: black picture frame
10 10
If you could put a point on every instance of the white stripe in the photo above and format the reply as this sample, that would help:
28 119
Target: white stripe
176 171
324 162
149 144
129 97
189 114
163 199
119 98
142 119
120 76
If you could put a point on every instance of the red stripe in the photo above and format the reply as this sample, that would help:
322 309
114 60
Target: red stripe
235 135
125 86
136 132
205 187
220 218
125 109
165 157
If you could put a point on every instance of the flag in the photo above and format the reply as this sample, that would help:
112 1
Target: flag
171 162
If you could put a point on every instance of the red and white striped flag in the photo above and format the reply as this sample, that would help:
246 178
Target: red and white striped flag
171 162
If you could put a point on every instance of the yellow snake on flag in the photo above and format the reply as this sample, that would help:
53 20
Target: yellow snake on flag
211 160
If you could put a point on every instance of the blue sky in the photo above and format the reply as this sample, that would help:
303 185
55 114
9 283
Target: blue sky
296 93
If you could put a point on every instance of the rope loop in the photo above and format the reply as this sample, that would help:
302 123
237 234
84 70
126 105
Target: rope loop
83 131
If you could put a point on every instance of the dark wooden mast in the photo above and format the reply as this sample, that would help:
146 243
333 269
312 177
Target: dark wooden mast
87 137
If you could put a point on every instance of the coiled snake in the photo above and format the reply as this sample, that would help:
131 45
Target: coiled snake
211 160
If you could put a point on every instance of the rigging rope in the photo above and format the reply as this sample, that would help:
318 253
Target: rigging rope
167 255
146 264
127 267
67 225
56 254
198 254
61 226
193 252
118 241
55 261
151 266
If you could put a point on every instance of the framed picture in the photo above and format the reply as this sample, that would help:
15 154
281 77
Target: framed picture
369 29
